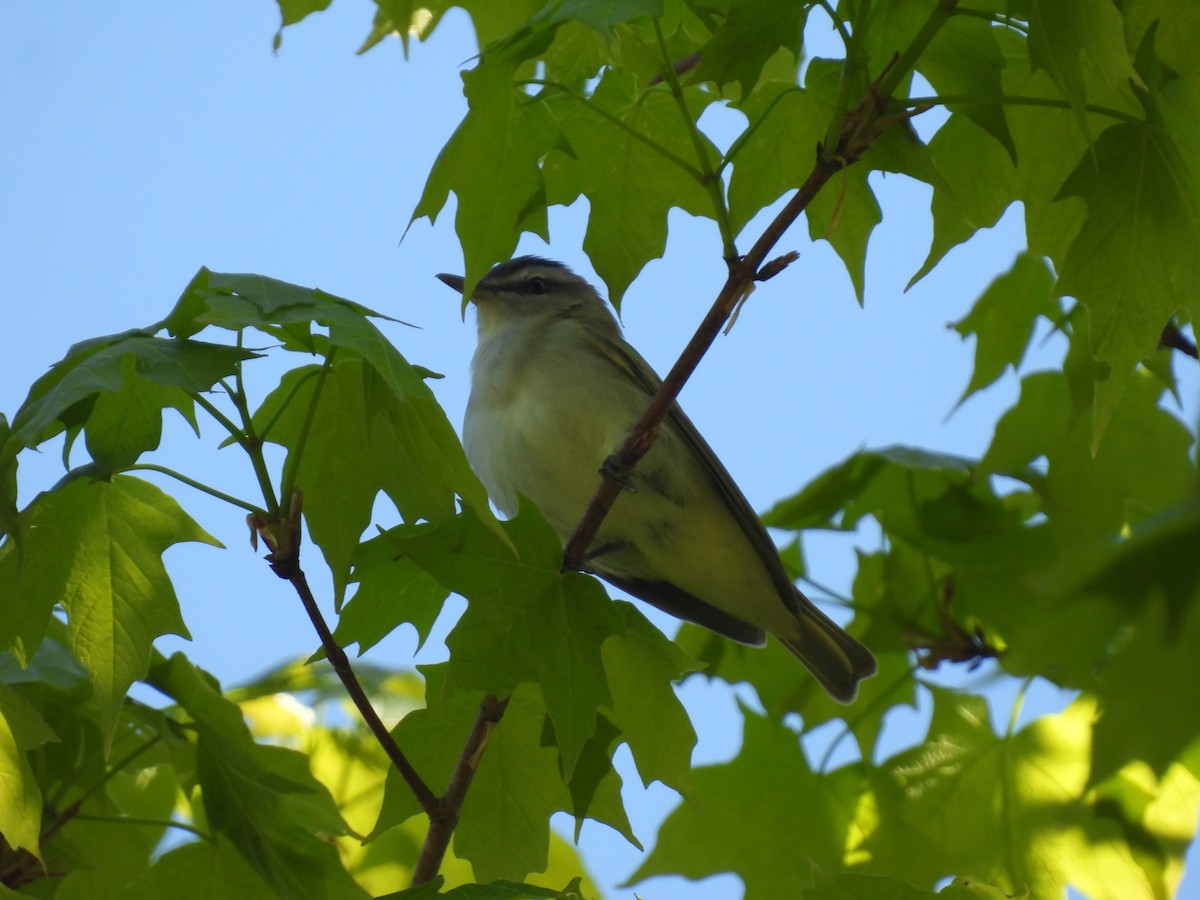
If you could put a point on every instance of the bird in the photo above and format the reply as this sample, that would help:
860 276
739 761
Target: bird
554 390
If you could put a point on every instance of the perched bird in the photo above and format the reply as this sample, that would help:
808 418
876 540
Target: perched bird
554 390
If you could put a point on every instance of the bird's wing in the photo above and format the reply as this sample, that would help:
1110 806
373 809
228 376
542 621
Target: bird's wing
682 605
631 361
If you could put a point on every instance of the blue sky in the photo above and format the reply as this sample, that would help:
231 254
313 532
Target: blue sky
143 140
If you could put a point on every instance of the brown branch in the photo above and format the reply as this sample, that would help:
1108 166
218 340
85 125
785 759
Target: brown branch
443 821
285 562
861 128
284 542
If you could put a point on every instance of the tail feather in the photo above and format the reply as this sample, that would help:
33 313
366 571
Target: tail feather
835 659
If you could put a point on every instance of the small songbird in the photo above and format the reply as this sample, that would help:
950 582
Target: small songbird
554 390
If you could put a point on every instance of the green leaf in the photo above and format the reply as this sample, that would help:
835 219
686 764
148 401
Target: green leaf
21 729
504 824
1177 34
58 398
1069 37
526 621
852 886
1133 262
392 590
370 433
491 164
1003 319
1090 497
787 816
605 15
496 890
978 185
780 114
200 871
630 184
96 548
124 424
235 302
750 34
1152 678
1040 832
8 481
964 59
263 798
641 666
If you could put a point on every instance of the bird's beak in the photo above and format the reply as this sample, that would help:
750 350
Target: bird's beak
453 281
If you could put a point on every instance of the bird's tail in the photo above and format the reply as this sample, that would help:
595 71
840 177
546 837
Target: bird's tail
836 659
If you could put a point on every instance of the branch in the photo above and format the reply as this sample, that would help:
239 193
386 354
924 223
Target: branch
285 562
861 128
444 819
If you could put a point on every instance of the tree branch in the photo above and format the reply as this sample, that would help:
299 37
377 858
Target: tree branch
861 128
285 562
443 821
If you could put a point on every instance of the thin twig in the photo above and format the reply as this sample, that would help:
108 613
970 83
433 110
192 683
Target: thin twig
285 562
443 821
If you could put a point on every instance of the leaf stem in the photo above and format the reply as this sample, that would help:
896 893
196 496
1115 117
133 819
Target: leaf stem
900 69
850 74
1017 100
191 482
292 465
253 450
709 178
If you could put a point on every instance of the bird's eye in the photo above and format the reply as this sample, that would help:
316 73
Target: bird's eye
537 286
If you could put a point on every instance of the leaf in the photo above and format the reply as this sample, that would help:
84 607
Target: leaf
931 500
964 59
641 665
1152 678
263 798
604 15
1089 497
124 424
525 622
1132 262
367 437
1068 36
8 482
96 548
234 302
787 816
979 184
200 871
496 890
1003 319
21 729
750 34
853 886
103 365
1040 831
780 114
491 164
504 823
391 590
629 181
